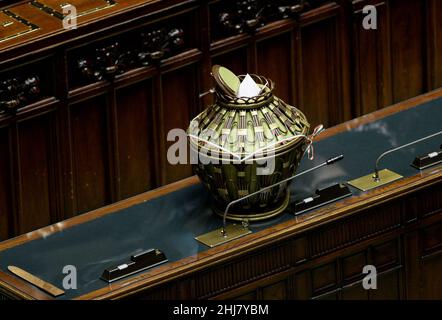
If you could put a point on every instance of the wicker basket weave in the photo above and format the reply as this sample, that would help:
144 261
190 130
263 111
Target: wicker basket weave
234 137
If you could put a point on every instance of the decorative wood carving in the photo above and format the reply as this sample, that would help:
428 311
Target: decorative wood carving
108 62
159 44
114 59
16 93
252 14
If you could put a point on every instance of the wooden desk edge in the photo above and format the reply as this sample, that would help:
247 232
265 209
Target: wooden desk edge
256 240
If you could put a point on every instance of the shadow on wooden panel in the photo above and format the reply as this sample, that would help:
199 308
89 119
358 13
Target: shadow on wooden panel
372 59
276 61
179 106
408 48
135 145
37 173
235 60
319 74
90 154
5 186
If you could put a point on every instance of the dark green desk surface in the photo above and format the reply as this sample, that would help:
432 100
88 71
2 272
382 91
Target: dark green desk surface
171 222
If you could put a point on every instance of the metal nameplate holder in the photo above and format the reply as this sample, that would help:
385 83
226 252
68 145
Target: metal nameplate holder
385 176
234 231
321 198
428 160
139 262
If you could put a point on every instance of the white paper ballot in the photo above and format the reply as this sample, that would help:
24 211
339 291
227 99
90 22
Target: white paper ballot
248 88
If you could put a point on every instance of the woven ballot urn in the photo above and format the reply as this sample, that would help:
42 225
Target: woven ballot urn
236 138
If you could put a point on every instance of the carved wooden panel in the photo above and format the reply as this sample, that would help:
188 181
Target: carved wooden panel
5 186
118 56
16 92
135 139
142 47
37 173
90 143
247 16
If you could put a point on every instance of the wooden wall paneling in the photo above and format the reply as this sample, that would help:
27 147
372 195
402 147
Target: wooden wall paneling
333 295
276 291
430 261
134 139
90 145
64 139
303 288
387 257
206 63
37 173
434 43
389 286
113 148
430 272
276 61
217 32
252 296
324 278
6 186
236 60
345 68
412 260
408 21
354 291
267 267
372 60
351 267
321 92
179 104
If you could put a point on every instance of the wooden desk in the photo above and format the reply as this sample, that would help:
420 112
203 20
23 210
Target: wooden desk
320 254
105 133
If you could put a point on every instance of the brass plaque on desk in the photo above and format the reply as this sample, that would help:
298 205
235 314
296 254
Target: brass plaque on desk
13 26
83 7
367 182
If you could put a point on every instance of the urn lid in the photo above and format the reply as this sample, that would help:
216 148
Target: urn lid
226 79
247 127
